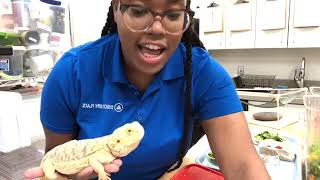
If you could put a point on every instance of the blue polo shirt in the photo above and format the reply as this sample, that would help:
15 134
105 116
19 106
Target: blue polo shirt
88 91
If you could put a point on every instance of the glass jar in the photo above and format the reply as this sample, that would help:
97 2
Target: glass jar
312 146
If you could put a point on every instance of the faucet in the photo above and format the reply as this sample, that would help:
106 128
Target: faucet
300 73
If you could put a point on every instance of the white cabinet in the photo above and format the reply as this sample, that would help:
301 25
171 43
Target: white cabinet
272 24
14 129
19 121
31 114
240 24
228 25
304 29
261 24
212 24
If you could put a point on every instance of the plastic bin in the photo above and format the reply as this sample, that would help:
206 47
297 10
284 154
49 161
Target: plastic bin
197 172
315 90
21 11
11 63
275 112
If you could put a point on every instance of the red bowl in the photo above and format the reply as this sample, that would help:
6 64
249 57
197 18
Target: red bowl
197 172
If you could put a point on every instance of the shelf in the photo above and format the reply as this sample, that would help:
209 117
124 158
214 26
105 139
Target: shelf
5 83
19 48
33 47
43 47
26 81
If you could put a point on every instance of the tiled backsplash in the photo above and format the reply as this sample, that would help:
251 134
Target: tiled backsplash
279 62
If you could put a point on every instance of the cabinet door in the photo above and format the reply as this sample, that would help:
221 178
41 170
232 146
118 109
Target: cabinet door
272 23
31 114
240 32
212 32
304 30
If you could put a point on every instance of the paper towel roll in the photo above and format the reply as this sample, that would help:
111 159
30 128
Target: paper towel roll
30 37
39 64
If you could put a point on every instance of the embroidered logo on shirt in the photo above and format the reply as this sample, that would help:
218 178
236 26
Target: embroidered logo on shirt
118 107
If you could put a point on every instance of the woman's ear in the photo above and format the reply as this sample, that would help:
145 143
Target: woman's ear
115 6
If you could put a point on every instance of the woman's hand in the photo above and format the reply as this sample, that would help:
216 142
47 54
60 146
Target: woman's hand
86 173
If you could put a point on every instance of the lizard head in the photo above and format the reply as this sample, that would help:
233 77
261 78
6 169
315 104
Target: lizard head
125 139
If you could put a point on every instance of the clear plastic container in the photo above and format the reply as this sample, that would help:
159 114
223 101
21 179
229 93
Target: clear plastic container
312 146
11 63
21 11
315 90
274 111
6 15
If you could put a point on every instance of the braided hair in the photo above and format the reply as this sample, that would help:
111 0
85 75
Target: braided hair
190 39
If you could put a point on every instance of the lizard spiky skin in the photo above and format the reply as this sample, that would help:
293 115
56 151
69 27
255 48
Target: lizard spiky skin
73 156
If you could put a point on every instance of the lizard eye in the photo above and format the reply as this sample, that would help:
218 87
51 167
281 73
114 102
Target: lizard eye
118 141
129 130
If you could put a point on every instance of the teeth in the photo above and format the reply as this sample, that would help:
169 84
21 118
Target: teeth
153 47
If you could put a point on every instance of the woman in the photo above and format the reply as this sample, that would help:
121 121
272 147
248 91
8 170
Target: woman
141 69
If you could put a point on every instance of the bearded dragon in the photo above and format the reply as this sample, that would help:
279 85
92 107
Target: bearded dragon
73 156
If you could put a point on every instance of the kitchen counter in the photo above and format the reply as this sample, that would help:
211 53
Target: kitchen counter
295 130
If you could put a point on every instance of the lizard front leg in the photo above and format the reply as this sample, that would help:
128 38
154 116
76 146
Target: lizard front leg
99 169
49 171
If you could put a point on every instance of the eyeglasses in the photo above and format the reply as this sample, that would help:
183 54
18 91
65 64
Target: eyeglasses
140 19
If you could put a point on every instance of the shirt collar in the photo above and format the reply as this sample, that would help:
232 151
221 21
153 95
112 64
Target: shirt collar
113 68
175 66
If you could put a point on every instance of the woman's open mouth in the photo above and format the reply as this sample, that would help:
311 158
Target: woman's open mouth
151 53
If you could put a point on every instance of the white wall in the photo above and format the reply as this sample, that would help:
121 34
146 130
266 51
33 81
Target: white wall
279 62
88 19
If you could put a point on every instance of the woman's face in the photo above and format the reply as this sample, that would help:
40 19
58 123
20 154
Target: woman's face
147 52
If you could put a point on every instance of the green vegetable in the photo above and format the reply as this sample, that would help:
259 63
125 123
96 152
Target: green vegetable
315 148
315 168
277 138
259 138
267 135
211 155
314 160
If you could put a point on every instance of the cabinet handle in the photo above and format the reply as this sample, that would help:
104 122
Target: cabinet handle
52 2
